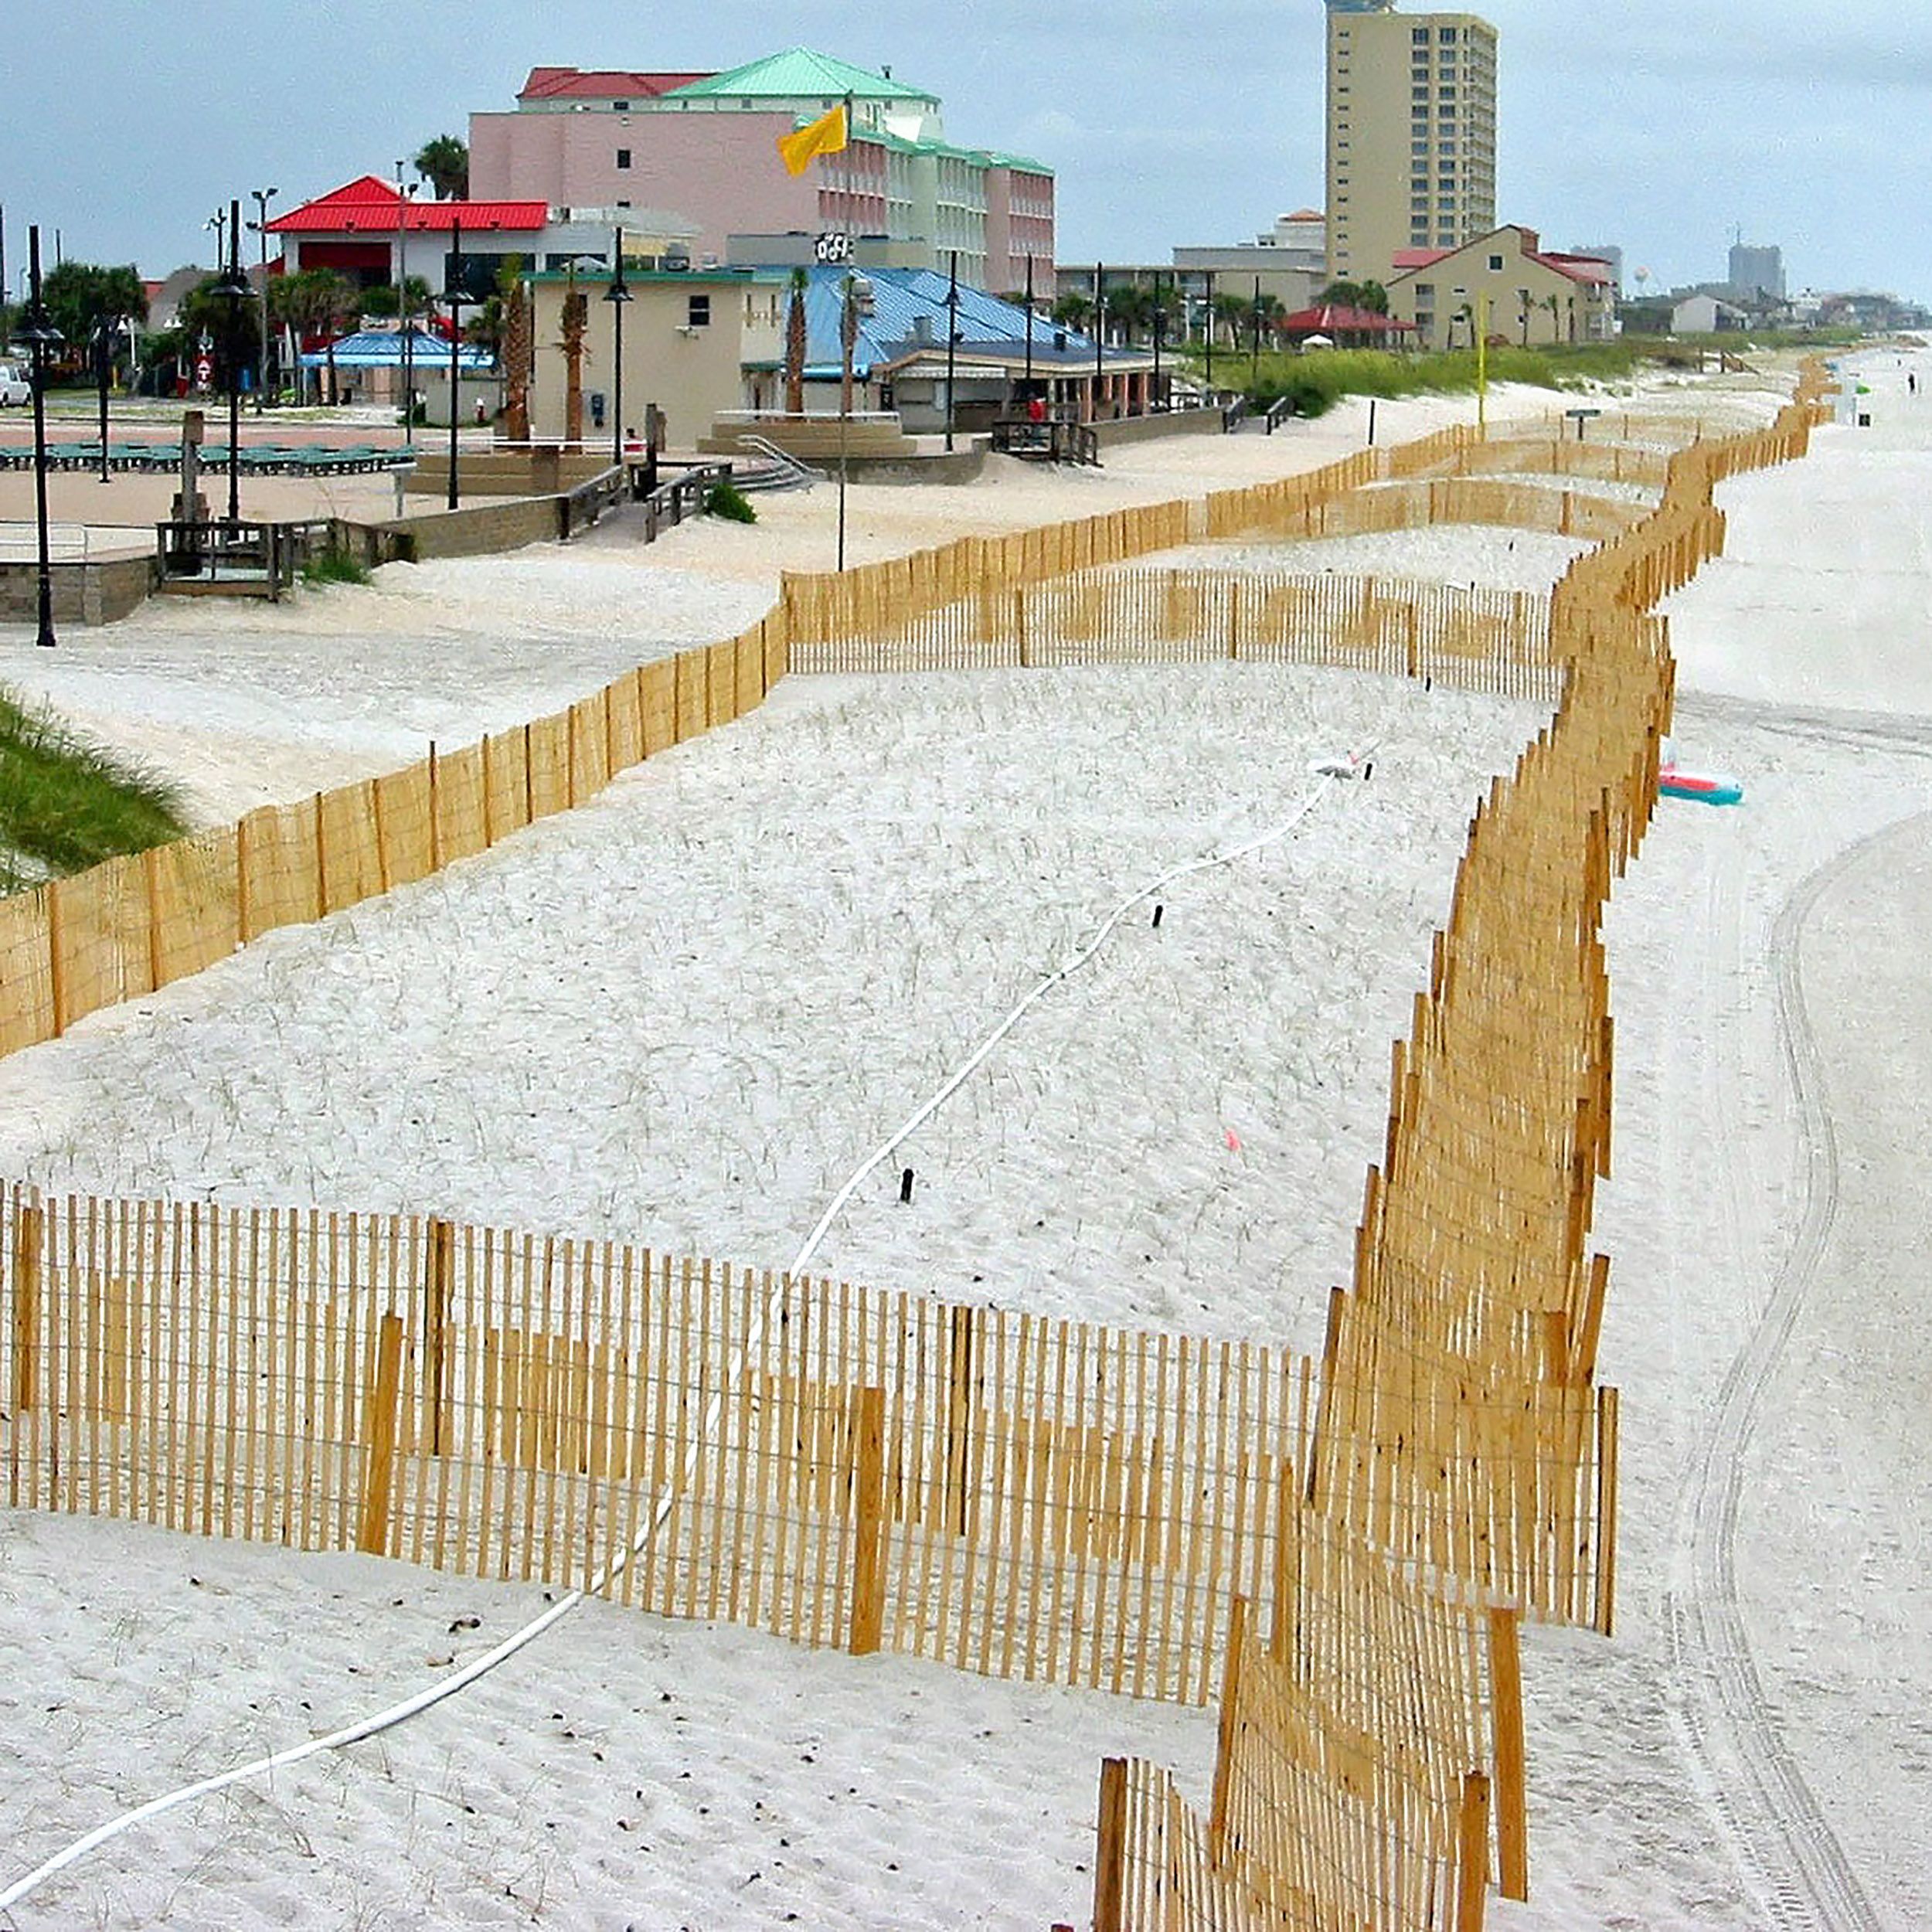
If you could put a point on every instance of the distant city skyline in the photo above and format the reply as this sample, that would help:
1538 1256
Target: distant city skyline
1663 130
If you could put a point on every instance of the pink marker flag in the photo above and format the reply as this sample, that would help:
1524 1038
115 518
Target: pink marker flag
1234 1140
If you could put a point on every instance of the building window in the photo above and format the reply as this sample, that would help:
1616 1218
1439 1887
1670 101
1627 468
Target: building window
697 311
1419 36
622 107
623 157
1447 37
1495 264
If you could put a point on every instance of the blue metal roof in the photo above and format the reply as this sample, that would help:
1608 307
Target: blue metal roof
382 348
902 298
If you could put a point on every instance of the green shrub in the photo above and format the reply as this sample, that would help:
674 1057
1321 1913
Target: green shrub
726 499
67 804
335 566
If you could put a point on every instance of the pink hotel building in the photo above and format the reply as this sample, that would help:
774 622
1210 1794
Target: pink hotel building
704 147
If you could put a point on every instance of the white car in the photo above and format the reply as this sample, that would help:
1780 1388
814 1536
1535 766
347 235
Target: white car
14 386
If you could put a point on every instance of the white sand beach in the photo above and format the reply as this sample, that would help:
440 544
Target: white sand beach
682 1014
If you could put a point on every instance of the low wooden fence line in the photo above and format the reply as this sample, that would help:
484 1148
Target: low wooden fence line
1489 640
1026 1498
1009 1495
131 925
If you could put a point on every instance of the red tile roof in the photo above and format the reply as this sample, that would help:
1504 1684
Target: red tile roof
372 205
601 83
1332 319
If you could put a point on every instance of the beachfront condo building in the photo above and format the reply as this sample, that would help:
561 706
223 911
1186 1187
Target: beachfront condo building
703 148
1411 135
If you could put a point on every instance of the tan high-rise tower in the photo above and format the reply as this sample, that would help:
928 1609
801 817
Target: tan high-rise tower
1412 134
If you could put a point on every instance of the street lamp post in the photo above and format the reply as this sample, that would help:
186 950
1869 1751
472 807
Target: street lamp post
455 295
232 288
952 338
404 320
102 345
1154 401
262 196
1210 285
41 337
856 301
618 296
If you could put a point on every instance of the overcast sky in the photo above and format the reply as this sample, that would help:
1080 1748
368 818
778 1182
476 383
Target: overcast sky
1661 126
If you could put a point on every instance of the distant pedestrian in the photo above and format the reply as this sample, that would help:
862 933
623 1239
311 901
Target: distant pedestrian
1911 382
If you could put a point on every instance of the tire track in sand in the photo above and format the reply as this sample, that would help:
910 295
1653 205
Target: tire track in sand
1769 1809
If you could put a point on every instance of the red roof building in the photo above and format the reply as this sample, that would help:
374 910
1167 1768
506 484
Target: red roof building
358 229
1351 328
615 86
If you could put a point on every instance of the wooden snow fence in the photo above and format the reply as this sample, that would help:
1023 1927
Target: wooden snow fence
133 924
1021 1498
1487 640
847 1467
1458 1387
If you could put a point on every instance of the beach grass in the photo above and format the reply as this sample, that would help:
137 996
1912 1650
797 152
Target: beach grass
67 804
1315 380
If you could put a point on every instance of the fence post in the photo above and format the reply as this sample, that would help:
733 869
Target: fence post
436 810
439 1293
56 965
1512 1803
29 1234
322 862
1224 1743
959 1416
868 1554
1109 1857
1606 1510
243 935
151 884
1472 1845
378 1440
1325 1396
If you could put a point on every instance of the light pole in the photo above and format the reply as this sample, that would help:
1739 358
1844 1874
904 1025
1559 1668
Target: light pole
857 301
262 197
41 337
1209 286
232 288
952 339
618 296
102 344
404 321
455 295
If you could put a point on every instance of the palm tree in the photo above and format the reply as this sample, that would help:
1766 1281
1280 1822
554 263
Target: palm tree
444 164
318 302
1073 311
1554 304
1231 312
517 332
576 322
1132 308
1375 298
795 346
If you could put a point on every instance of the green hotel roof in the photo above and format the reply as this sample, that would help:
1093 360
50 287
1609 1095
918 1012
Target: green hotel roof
986 157
798 72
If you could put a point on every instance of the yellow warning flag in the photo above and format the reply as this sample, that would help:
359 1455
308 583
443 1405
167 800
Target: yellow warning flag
824 136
